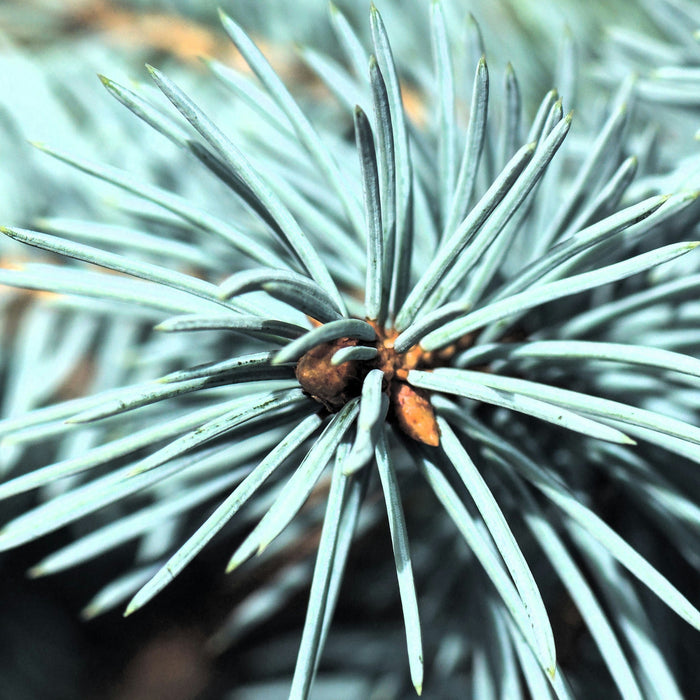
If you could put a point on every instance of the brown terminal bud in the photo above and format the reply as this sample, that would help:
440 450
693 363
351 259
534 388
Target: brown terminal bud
333 386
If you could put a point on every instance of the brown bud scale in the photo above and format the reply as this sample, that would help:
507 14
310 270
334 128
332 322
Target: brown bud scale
410 408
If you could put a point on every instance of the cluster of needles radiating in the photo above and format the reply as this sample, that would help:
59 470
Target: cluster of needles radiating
478 297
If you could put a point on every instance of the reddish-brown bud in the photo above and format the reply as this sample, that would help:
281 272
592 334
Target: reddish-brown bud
414 414
333 386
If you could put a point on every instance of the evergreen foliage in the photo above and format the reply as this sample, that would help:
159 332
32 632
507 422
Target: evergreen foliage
481 330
